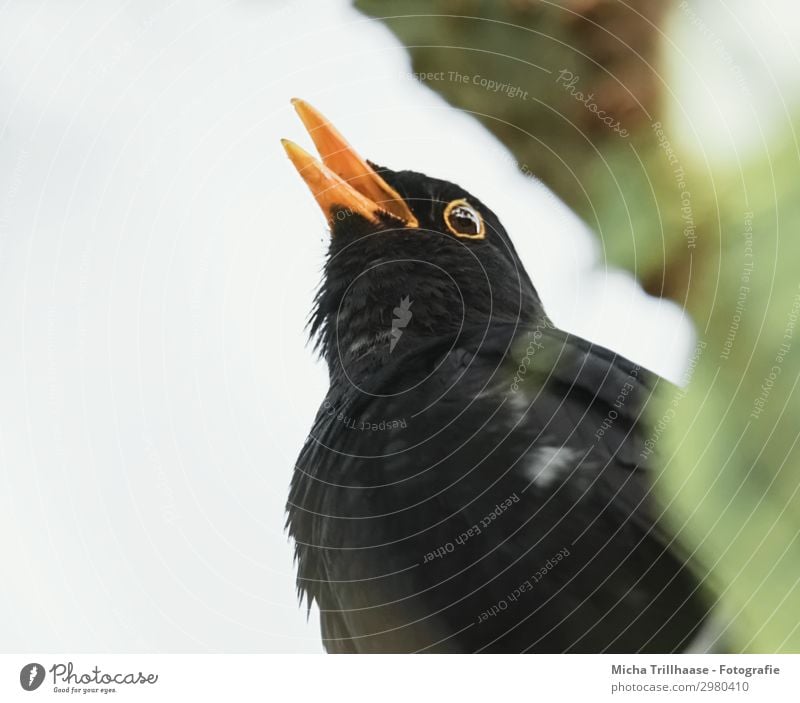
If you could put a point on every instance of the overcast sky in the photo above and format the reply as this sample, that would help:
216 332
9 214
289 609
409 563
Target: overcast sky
158 258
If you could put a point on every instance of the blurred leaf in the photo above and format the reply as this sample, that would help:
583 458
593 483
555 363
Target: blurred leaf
734 472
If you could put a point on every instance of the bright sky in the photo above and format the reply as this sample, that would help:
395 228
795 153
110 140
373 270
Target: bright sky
158 258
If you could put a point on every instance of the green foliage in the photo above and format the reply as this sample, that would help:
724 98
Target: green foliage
734 467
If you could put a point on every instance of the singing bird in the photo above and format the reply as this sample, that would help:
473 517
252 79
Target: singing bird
476 480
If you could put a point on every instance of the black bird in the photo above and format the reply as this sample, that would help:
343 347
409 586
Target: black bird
476 480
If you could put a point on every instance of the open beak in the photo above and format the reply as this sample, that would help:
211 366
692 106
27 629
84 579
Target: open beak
343 181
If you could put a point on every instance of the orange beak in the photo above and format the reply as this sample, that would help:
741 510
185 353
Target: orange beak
343 181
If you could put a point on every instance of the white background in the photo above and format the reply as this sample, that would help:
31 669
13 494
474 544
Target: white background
158 258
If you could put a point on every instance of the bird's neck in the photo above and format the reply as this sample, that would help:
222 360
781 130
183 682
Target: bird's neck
365 322
358 347
357 355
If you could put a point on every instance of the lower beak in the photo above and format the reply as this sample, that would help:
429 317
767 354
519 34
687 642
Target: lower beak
343 181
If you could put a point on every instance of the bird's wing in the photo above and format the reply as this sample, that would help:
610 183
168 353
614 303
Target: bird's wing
509 510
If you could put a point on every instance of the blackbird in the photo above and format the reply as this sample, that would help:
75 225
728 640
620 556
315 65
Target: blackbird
476 480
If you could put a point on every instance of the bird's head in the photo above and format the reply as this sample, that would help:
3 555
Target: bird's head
411 257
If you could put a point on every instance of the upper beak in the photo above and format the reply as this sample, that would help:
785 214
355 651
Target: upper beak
343 180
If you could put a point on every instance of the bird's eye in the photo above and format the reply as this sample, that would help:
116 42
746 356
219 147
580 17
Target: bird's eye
463 220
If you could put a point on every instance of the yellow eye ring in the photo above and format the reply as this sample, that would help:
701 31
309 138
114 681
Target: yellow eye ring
461 212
